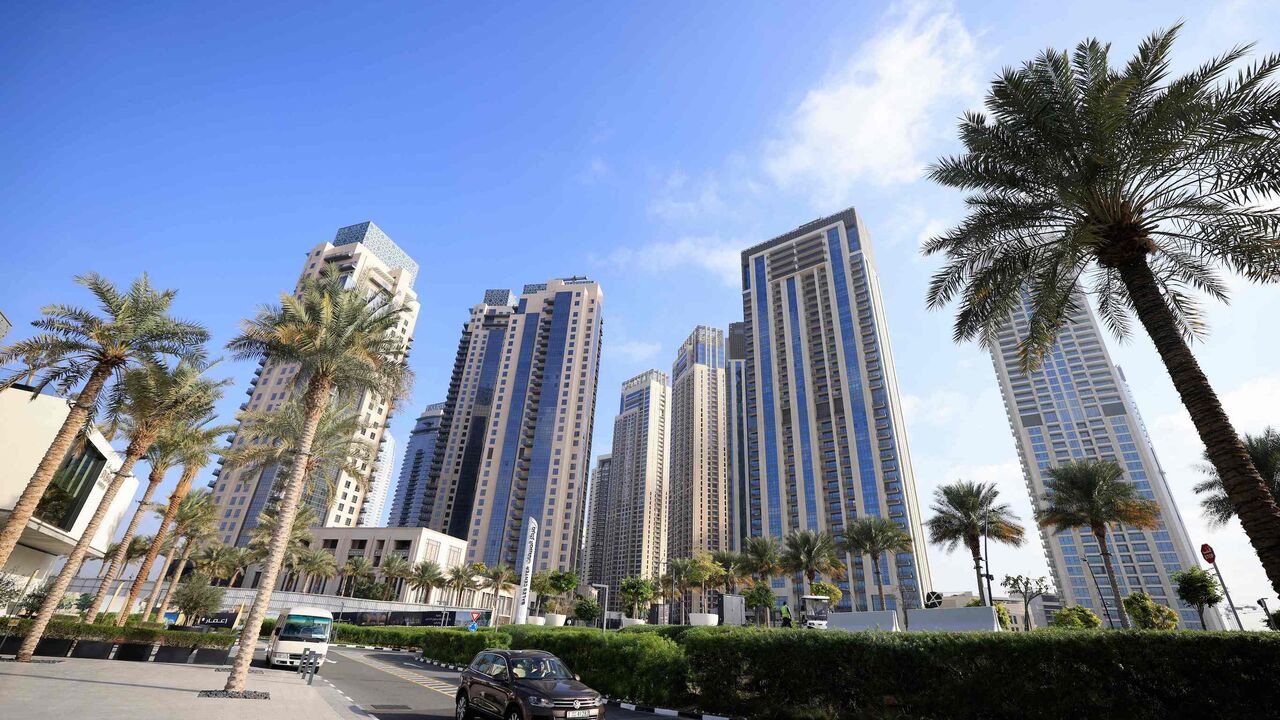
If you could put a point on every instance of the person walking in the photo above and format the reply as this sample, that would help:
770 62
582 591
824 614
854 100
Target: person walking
785 612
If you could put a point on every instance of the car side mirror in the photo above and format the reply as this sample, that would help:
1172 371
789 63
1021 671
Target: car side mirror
577 677
506 677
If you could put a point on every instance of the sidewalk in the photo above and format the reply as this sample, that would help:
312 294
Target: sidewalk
117 690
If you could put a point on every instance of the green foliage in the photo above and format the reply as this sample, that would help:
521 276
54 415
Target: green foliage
32 601
83 601
1076 617
760 597
1002 613
196 597
636 593
1147 614
1197 588
586 610
563 581
459 648
60 629
268 624
830 590
1264 452
9 591
643 667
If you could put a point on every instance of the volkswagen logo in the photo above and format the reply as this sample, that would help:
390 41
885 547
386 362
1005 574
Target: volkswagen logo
577 704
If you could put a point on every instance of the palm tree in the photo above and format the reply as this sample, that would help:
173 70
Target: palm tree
733 569
338 446
1264 453
342 340
298 539
811 553
1147 184
395 569
356 569
240 560
461 578
193 446
1093 494
426 575
763 557
193 520
679 578
78 345
966 512
145 401
134 550
215 561
875 536
315 563
498 578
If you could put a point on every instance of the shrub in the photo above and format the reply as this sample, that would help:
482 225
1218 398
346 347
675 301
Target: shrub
32 601
459 648
636 666
586 610
59 629
382 636
196 597
268 624
1147 614
1076 617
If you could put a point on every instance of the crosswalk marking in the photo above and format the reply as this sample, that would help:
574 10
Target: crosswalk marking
419 679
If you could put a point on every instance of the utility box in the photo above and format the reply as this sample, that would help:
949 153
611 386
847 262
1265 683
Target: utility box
733 610
965 619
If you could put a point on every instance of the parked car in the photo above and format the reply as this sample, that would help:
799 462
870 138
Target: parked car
523 685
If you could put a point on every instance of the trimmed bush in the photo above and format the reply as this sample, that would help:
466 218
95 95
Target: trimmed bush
459 648
382 636
803 673
268 624
632 666
140 635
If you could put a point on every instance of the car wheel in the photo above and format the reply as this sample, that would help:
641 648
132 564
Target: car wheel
463 707
514 714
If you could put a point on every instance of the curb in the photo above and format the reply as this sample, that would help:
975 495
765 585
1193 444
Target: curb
369 647
609 701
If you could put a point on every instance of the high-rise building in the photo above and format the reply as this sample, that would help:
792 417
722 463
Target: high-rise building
5 326
698 505
1076 406
414 469
629 534
825 441
362 254
736 434
375 497
592 564
515 436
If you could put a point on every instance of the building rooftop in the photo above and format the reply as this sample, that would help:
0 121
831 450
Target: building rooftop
372 237
849 216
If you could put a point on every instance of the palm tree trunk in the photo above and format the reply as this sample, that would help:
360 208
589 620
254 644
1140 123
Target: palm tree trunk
136 450
184 485
875 567
148 607
72 426
177 576
1101 535
118 560
315 400
1257 510
114 595
977 571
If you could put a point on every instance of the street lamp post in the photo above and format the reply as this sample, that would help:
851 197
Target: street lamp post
604 605
986 552
1266 614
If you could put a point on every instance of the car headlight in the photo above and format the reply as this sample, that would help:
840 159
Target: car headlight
539 701
599 700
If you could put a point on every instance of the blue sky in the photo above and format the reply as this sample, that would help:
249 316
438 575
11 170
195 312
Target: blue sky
644 146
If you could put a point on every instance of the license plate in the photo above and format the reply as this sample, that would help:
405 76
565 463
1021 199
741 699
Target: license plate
578 713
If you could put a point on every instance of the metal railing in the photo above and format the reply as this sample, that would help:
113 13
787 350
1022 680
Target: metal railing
309 664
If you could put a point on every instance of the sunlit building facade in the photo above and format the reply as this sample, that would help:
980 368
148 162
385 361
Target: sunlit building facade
698 509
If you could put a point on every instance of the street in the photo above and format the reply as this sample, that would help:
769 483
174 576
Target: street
392 685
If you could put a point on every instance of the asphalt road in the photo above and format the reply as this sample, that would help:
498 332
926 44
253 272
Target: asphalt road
393 686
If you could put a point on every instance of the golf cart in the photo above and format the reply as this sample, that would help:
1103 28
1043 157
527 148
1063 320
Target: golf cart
813 611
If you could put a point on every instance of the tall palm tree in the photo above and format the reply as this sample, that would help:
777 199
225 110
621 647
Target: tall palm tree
1264 453
241 558
145 401
733 569
679 577
1093 495
461 578
193 521
338 446
966 512
343 340
1150 185
315 563
811 553
298 539
134 550
356 569
496 579
426 575
395 569
78 345
216 561
875 536
194 445
763 557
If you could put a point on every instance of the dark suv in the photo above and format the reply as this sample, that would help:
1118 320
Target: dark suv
522 685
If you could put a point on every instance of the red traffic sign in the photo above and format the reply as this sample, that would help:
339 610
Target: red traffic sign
1206 551
476 616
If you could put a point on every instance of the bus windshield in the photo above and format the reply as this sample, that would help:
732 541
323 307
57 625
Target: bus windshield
306 628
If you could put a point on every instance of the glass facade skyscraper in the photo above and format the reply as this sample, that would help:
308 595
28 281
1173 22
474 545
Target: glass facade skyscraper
825 441
1076 406
407 505
736 434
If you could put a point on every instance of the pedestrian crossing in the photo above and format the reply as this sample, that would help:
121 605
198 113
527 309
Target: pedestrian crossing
404 673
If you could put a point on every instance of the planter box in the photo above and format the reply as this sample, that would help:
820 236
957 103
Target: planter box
704 619
212 656
629 622
537 620
93 649
555 620
174 654
53 647
9 646
134 652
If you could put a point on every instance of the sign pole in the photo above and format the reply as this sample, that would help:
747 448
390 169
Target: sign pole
521 615
1206 551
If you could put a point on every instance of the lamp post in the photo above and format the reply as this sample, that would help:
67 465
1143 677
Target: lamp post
604 605
1266 614
986 552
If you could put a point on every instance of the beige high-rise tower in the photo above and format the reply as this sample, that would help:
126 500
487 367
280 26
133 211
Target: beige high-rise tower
698 511
629 536
362 254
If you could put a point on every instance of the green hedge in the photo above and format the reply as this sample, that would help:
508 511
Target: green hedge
634 666
268 624
384 636
799 673
109 633
458 648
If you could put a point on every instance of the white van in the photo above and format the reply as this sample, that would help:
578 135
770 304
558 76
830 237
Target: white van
297 629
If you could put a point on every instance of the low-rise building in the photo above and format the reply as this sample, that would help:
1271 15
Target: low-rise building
1015 606
28 424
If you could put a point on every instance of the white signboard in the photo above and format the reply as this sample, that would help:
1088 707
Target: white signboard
526 574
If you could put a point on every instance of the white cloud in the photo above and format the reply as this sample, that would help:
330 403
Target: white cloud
680 201
634 351
595 171
939 408
719 256
875 117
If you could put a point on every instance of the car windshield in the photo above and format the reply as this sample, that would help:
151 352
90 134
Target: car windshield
539 668
306 628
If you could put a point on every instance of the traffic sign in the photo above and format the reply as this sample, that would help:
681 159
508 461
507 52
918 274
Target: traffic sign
475 615
472 627
1206 551
933 599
